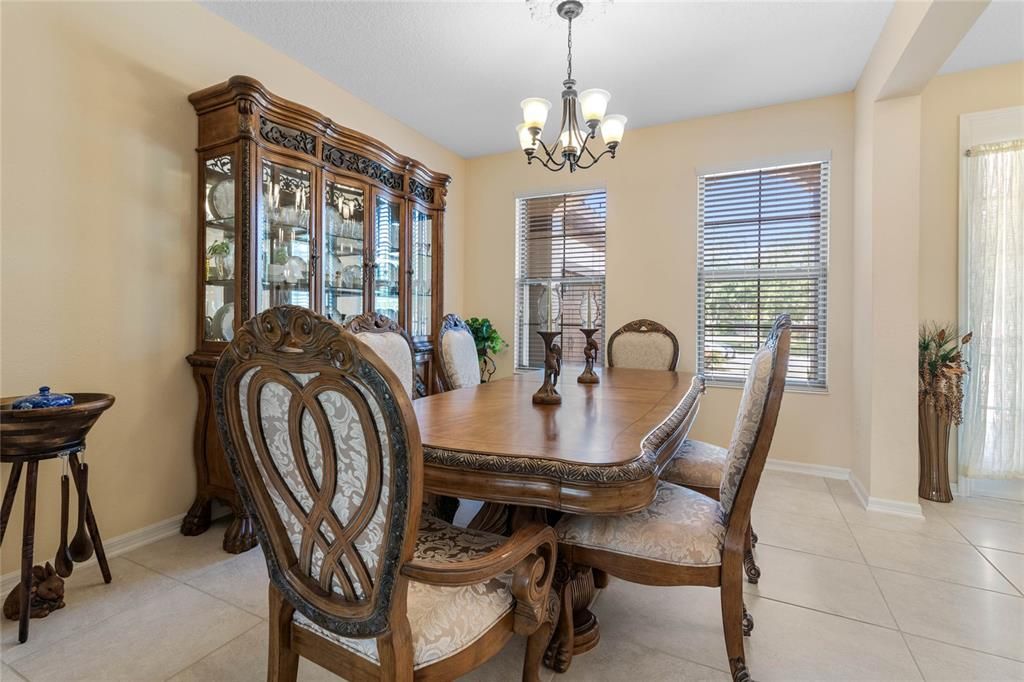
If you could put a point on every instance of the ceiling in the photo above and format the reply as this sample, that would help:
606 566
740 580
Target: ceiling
997 37
456 71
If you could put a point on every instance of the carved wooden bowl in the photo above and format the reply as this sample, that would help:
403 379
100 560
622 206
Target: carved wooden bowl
48 431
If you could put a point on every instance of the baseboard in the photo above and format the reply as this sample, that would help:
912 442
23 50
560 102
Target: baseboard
885 506
808 469
113 547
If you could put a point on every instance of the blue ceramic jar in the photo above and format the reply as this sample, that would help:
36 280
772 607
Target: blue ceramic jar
43 399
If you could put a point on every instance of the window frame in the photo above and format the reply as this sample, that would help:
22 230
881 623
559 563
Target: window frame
819 385
520 281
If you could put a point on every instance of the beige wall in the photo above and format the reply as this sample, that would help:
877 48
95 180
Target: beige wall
942 103
98 213
651 261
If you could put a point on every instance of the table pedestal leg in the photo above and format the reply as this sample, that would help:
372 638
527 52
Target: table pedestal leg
27 542
578 630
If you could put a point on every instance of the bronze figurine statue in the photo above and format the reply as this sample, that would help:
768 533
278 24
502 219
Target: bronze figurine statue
590 357
45 596
546 394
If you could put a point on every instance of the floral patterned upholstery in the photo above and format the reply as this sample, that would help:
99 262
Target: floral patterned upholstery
696 463
748 422
647 350
443 620
395 351
681 527
461 362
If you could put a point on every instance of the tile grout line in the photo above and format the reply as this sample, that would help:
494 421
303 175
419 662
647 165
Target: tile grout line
203 658
881 592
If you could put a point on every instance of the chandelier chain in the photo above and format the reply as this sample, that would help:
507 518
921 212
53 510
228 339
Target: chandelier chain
569 69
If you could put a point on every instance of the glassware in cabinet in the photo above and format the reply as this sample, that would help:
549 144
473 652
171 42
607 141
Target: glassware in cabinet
421 272
284 223
219 248
387 241
344 252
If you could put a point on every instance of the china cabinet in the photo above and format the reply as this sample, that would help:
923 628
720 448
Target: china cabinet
295 209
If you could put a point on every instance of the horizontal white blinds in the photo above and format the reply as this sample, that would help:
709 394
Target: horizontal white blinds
561 243
763 250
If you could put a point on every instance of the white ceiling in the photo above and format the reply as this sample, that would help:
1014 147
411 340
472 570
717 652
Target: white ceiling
997 37
456 71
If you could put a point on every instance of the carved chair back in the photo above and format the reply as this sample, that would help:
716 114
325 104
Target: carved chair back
324 447
458 361
755 426
643 344
391 342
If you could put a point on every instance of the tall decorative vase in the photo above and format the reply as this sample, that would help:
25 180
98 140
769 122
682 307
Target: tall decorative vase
933 446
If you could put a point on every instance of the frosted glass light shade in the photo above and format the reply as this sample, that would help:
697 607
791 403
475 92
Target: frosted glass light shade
594 103
535 111
612 128
572 145
526 138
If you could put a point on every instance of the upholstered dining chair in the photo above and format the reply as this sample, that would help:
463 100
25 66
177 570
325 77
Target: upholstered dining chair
684 537
391 342
324 448
643 344
458 363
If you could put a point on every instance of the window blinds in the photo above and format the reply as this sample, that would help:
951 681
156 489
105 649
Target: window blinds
561 243
763 250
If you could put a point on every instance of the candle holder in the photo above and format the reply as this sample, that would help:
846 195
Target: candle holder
590 356
546 394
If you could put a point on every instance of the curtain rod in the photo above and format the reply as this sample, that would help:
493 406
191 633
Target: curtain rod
995 147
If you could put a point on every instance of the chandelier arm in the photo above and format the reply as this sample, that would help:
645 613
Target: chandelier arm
551 165
547 152
585 148
596 159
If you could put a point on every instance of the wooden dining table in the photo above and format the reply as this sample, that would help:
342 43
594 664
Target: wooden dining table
599 452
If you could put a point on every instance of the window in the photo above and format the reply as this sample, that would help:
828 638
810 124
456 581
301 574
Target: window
561 243
762 249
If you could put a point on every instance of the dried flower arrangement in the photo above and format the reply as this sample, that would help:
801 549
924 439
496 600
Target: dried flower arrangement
941 369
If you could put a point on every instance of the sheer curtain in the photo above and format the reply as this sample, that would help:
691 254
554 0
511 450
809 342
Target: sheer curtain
992 444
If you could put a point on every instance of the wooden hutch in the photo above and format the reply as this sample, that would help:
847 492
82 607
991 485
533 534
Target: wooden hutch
295 209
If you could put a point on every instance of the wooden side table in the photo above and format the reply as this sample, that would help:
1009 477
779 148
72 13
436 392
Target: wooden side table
27 437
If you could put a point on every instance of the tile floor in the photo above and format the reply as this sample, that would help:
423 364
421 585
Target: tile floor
845 594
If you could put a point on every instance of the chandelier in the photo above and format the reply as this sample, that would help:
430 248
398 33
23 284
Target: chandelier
571 148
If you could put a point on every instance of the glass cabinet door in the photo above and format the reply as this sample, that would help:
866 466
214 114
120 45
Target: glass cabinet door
387 235
284 236
219 249
422 273
343 272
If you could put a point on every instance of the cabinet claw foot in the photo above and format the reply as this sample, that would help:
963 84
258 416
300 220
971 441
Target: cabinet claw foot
240 535
197 520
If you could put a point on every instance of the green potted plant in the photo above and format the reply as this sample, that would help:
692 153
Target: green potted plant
219 263
940 395
488 343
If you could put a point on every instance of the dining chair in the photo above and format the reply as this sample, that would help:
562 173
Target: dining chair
458 362
684 537
391 342
643 344
324 448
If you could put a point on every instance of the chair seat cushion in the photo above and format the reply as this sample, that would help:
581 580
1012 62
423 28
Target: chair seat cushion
681 527
443 620
696 464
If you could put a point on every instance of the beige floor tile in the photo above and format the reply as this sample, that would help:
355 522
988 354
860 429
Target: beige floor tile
244 659
788 479
182 557
987 507
7 674
947 663
149 642
1010 564
793 643
615 660
507 665
89 601
978 619
933 525
818 505
992 533
830 585
930 558
806 534
241 580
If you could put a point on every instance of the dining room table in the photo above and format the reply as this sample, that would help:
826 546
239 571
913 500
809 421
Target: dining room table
600 451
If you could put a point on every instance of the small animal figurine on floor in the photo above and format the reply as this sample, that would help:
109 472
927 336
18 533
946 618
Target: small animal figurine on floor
46 596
